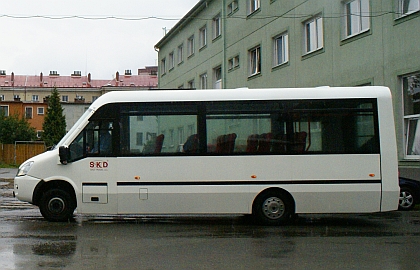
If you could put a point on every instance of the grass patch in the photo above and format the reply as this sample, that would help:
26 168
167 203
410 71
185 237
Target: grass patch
4 165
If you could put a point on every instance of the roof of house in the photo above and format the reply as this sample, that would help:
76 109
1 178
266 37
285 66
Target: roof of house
147 78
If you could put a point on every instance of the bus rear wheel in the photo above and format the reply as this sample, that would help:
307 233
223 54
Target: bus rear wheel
57 205
273 207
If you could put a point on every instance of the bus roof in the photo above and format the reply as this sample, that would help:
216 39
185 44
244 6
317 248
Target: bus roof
241 94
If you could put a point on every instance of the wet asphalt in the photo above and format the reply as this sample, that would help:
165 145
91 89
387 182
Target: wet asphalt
359 241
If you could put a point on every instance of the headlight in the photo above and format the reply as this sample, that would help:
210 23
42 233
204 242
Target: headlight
24 168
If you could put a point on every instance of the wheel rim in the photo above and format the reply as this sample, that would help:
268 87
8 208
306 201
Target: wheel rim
273 208
56 205
406 199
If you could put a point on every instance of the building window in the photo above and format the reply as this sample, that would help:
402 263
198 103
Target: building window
94 98
180 54
39 134
406 7
411 95
4 110
1 97
253 5
357 18
191 84
232 7
233 62
65 98
190 44
163 66
139 138
35 98
40 110
203 37
313 34
217 77
203 81
28 113
171 60
217 26
281 49
254 61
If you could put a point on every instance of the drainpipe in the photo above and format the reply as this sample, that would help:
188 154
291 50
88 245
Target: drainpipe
224 20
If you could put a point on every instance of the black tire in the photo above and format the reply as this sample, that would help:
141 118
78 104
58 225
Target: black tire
273 207
57 205
406 200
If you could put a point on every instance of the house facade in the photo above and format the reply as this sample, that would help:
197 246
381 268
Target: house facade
27 95
273 43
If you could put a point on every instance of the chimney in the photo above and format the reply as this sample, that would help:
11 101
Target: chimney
117 76
12 78
89 77
41 77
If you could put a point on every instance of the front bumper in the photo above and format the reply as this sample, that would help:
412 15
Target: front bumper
24 187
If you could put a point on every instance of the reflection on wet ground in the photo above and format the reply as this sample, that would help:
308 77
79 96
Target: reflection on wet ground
354 241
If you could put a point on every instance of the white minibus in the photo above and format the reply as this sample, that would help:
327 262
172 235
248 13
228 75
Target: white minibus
272 153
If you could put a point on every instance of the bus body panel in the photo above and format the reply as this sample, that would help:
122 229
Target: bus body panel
226 184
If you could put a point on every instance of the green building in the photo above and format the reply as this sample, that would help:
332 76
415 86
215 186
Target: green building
298 43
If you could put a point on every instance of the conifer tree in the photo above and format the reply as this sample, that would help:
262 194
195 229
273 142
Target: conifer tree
54 122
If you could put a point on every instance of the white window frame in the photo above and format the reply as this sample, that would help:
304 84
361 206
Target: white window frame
232 7
180 53
203 81
163 66
65 98
356 17
407 7
411 95
191 84
233 62
35 98
190 46
254 56
1 97
253 6
203 37
40 110
5 109
281 53
29 112
217 77
313 34
171 60
217 26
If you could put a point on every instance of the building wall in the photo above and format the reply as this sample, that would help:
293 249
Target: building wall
377 56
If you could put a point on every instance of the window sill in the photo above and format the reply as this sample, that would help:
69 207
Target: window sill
202 48
254 76
406 17
217 38
313 53
280 66
355 37
251 14
233 69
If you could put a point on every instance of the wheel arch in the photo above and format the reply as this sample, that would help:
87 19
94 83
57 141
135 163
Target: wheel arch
278 190
44 186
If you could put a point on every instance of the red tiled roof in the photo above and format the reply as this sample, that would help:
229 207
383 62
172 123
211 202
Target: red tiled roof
143 80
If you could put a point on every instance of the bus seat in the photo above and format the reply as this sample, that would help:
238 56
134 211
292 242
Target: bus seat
159 143
252 143
191 144
225 144
264 143
299 144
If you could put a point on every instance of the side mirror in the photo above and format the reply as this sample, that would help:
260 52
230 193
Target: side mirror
64 154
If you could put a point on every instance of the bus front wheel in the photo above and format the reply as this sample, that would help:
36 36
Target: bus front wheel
273 207
57 205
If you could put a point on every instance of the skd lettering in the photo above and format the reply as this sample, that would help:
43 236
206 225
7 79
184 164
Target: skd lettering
98 164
